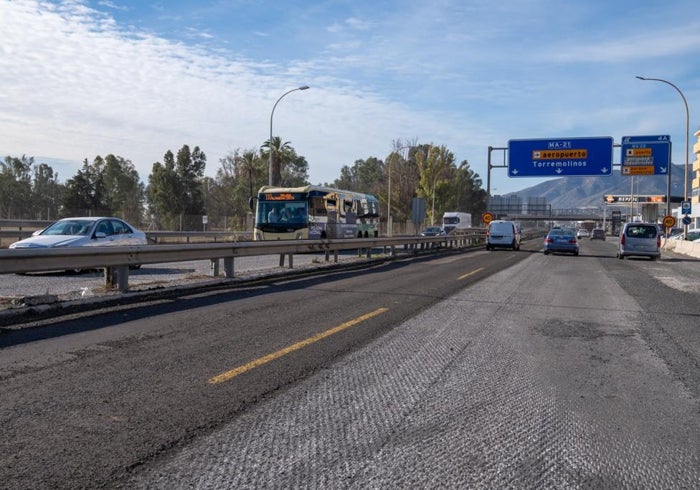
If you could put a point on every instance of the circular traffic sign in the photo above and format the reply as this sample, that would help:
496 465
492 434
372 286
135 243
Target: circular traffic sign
487 218
669 221
686 220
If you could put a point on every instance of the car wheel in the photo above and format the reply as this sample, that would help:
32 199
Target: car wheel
576 254
620 256
546 252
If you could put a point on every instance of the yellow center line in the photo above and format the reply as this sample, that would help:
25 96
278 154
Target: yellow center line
220 378
463 276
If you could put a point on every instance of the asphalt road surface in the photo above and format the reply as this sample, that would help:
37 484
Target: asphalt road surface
483 369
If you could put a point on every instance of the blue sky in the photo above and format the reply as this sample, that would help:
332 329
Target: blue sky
137 78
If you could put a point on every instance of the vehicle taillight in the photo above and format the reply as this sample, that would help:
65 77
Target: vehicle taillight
572 241
622 239
658 240
548 240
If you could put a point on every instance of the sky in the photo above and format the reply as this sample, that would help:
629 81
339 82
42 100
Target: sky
136 78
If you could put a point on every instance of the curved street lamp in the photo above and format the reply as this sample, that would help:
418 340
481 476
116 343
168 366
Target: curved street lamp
687 130
275 180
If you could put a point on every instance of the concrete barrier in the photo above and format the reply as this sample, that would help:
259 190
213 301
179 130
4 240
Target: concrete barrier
684 247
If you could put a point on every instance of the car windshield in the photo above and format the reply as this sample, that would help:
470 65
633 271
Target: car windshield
71 227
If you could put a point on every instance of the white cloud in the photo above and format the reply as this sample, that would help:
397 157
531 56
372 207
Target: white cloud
76 83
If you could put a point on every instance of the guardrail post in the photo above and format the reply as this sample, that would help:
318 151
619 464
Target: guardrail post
110 277
291 261
123 278
117 276
228 266
214 267
281 260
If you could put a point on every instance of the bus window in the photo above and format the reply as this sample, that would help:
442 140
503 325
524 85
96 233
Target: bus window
318 207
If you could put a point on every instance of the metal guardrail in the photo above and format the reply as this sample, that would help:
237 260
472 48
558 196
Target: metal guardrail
117 260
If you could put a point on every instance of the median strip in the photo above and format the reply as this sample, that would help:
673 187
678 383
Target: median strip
294 347
464 276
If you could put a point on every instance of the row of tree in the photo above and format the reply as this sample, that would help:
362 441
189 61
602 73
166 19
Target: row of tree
178 194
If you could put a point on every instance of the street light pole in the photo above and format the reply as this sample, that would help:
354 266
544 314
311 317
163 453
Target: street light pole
687 131
275 180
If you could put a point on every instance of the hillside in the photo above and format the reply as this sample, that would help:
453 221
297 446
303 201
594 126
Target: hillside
576 192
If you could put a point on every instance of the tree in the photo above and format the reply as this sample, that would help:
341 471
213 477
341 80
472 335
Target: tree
84 194
469 196
364 176
108 186
123 191
46 192
175 192
295 172
281 154
250 168
434 166
15 186
162 193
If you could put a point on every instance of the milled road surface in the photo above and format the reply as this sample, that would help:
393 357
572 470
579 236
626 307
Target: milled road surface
537 377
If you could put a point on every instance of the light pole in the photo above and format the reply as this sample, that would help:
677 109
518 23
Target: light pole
275 180
687 131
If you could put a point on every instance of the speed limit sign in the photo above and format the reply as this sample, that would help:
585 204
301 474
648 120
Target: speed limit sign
669 221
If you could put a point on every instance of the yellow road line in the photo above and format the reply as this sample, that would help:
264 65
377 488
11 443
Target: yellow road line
220 378
463 276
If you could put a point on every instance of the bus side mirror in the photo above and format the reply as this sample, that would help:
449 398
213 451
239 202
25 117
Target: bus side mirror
252 201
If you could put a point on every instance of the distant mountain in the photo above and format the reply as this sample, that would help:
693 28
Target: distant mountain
579 192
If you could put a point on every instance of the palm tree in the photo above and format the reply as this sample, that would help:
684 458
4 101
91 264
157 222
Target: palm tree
280 154
249 166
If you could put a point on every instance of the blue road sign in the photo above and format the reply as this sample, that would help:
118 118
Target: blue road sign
644 139
563 157
645 155
686 207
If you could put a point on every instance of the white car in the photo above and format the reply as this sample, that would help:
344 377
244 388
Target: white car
81 232
693 234
582 232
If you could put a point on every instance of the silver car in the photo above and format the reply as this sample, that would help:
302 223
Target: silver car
81 232
640 240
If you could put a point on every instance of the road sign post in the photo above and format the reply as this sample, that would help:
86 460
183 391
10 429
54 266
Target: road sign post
564 157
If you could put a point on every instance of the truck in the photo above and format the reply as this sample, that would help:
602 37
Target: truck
454 220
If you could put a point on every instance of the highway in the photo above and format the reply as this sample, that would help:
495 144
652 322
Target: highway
481 369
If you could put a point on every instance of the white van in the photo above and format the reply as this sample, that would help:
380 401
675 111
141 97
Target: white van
503 234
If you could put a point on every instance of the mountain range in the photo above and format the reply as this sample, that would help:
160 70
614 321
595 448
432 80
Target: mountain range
580 192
